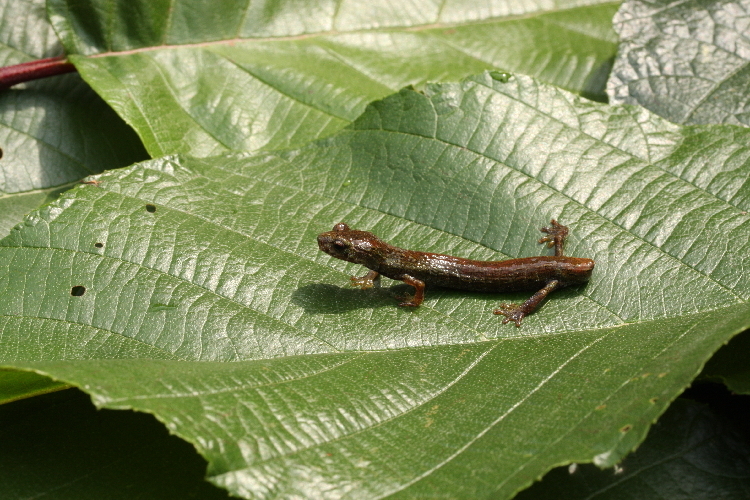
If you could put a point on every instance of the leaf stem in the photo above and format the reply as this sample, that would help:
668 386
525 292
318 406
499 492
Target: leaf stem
33 70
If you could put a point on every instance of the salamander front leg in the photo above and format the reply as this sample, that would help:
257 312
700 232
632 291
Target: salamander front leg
556 234
418 297
369 280
516 313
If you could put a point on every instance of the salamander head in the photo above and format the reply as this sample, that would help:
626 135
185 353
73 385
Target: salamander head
347 244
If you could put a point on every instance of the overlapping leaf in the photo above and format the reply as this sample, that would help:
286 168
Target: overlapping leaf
730 364
692 452
687 61
204 78
51 133
193 289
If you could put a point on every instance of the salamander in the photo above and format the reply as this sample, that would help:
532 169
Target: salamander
419 269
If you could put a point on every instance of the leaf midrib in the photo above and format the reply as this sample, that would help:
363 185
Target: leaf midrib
212 292
384 421
499 419
354 356
173 356
45 190
42 141
331 33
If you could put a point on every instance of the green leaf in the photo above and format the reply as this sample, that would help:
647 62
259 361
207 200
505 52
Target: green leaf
692 452
16 385
686 61
204 300
52 133
731 364
206 77
59 446
15 205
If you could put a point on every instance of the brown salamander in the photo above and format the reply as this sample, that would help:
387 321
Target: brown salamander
418 269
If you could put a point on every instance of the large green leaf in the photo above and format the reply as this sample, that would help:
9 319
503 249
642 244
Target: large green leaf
51 133
692 452
687 61
207 77
59 446
204 300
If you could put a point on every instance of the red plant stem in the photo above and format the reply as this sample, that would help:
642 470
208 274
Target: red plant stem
32 70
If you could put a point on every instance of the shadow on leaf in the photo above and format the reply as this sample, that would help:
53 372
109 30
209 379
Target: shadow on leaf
320 298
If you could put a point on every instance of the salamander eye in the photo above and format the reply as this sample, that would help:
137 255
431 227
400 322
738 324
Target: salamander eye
341 227
341 244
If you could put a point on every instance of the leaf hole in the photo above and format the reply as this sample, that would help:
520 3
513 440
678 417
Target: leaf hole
1 152
98 245
77 290
150 208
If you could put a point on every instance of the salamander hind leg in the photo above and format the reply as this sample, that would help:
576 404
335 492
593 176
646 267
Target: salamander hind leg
556 234
418 298
516 313
512 312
